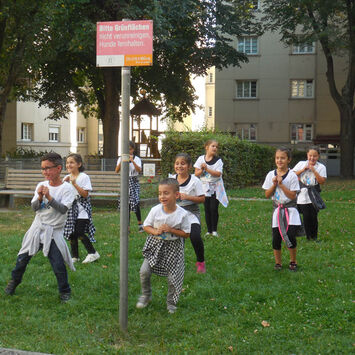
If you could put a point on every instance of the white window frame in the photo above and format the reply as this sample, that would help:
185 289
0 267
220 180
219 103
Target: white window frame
304 48
245 45
27 132
53 134
81 135
245 90
299 132
247 131
302 88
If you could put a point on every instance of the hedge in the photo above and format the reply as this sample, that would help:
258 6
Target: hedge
245 163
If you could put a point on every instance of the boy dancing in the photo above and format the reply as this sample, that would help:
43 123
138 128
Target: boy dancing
51 201
167 225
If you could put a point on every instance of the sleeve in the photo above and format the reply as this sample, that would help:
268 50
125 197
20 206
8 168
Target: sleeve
322 171
295 185
118 161
138 161
35 196
68 195
219 166
185 223
198 163
298 166
198 187
85 182
149 221
268 181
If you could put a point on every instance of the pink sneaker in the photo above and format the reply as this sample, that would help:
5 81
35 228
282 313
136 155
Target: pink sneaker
201 267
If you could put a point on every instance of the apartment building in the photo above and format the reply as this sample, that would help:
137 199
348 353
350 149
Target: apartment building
280 96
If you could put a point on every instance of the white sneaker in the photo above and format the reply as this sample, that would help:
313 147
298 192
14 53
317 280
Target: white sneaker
215 234
75 260
207 234
91 257
143 302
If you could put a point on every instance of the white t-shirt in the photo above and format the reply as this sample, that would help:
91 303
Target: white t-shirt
308 178
291 182
83 181
132 169
214 164
178 219
64 194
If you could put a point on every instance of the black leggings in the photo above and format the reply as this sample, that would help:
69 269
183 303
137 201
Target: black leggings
211 213
197 243
79 233
310 220
138 214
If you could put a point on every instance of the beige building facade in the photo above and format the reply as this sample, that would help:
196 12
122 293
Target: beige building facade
280 96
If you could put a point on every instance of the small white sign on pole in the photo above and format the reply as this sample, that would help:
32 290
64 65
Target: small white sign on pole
149 169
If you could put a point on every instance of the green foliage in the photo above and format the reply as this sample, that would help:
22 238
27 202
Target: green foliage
20 152
244 163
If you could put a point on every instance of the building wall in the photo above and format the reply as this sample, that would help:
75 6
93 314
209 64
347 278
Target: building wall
274 110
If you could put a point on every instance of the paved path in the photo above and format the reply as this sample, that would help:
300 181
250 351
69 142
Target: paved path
4 351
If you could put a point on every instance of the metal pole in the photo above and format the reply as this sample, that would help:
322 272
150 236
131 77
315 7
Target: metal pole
124 208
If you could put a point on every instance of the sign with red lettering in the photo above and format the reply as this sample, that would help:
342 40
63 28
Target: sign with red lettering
124 43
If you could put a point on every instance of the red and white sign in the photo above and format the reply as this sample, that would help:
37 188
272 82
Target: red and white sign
124 43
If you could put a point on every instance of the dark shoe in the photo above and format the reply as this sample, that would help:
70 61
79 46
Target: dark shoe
293 266
65 296
11 287
278 267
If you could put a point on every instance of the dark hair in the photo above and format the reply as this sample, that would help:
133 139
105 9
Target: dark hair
78 159
210 141
55 158
314 147
171 182
185 156
285 150
132 145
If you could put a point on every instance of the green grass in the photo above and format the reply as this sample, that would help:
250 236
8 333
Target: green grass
309 312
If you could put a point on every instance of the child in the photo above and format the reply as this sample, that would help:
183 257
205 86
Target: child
167 225
191 194
311 174
209 168
79 220
135 167
282 186
51 201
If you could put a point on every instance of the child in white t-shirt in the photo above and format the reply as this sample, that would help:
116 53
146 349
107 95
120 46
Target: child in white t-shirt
135 168
282 186
51 201
168 225
79 220
209 168
311 174
191 194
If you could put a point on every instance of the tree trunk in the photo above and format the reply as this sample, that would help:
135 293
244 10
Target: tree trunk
110 115
3 104
347 127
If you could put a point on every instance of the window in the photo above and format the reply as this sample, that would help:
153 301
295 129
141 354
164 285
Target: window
301 132
81 135
303 48
246 89
246 131
210 78
210 111
248 45
54 134
27 132
302 88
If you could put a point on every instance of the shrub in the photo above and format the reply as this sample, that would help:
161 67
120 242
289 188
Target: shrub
245 163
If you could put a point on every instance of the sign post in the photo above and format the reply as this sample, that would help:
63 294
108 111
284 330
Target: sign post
124 44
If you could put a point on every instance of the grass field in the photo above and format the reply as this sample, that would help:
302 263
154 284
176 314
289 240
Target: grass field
307 312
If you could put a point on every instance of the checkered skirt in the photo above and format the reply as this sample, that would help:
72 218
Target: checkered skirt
167 258
134 191
73 217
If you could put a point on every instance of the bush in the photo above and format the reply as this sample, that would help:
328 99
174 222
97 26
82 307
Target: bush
244 163
20 152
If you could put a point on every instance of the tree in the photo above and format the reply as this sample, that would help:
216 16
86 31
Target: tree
332 23
20 23
189 37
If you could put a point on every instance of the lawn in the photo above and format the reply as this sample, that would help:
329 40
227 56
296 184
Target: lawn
241 305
